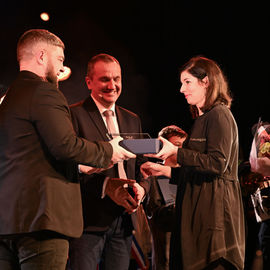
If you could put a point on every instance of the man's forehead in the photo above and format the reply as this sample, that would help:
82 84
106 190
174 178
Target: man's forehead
110 68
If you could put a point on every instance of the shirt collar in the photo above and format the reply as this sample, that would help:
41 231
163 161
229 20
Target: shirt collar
101 108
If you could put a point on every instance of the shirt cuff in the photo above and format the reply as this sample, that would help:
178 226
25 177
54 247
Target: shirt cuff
104 187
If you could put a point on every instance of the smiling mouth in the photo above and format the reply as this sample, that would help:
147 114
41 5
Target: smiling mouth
109 91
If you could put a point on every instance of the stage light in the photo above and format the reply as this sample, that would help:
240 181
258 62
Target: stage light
65 75
44 16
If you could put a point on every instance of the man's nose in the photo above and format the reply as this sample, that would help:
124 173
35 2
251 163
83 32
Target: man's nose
111 84
62 69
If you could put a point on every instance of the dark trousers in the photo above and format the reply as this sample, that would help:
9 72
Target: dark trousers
38 251
110 249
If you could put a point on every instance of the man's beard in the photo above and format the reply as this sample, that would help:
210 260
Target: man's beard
51 76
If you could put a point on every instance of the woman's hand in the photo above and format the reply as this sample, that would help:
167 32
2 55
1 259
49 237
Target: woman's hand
167 150
154 169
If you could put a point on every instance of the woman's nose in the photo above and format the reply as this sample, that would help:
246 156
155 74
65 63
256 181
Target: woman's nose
182 89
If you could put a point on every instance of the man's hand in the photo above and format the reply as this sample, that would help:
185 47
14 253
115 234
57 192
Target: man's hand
168 149
90 170
149 168
116 189
139 192
119 153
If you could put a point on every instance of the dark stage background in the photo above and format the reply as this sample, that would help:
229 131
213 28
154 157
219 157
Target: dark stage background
152 39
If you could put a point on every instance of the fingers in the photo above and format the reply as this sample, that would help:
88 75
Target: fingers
158 155
119 153
117 190
132 201
150 168
145 171
124 199
126 154
139 192
167 150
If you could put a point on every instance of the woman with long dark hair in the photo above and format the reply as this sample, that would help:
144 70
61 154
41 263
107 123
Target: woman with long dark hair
209 230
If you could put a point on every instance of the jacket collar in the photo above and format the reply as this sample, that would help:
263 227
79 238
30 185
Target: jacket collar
29 75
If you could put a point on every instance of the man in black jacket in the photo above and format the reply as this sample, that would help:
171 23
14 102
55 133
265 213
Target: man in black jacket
40 208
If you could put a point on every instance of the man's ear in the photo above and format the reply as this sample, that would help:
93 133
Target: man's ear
205 80
41 56
88 82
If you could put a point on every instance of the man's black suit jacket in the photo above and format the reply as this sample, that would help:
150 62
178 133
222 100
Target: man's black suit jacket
88 123
36 133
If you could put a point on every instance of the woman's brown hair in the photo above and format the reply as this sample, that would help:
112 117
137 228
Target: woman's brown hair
217 90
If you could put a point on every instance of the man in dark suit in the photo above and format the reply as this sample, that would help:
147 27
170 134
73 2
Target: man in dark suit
108 228
40 208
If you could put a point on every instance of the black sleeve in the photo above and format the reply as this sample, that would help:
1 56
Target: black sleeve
218 146
50 114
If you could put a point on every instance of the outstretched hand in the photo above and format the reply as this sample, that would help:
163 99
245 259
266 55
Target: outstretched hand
90 170
119 153
149 168
167 150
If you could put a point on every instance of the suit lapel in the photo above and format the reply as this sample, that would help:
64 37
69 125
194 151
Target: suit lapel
122 122
96 118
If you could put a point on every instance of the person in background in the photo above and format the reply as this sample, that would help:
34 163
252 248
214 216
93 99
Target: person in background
160 204
249 182
107 235
40 206
263 168
209 231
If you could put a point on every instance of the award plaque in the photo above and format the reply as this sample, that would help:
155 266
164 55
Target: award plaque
139 143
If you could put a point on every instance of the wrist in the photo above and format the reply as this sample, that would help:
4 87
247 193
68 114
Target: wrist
167 171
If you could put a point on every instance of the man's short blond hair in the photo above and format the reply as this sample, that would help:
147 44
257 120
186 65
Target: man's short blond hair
34 36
